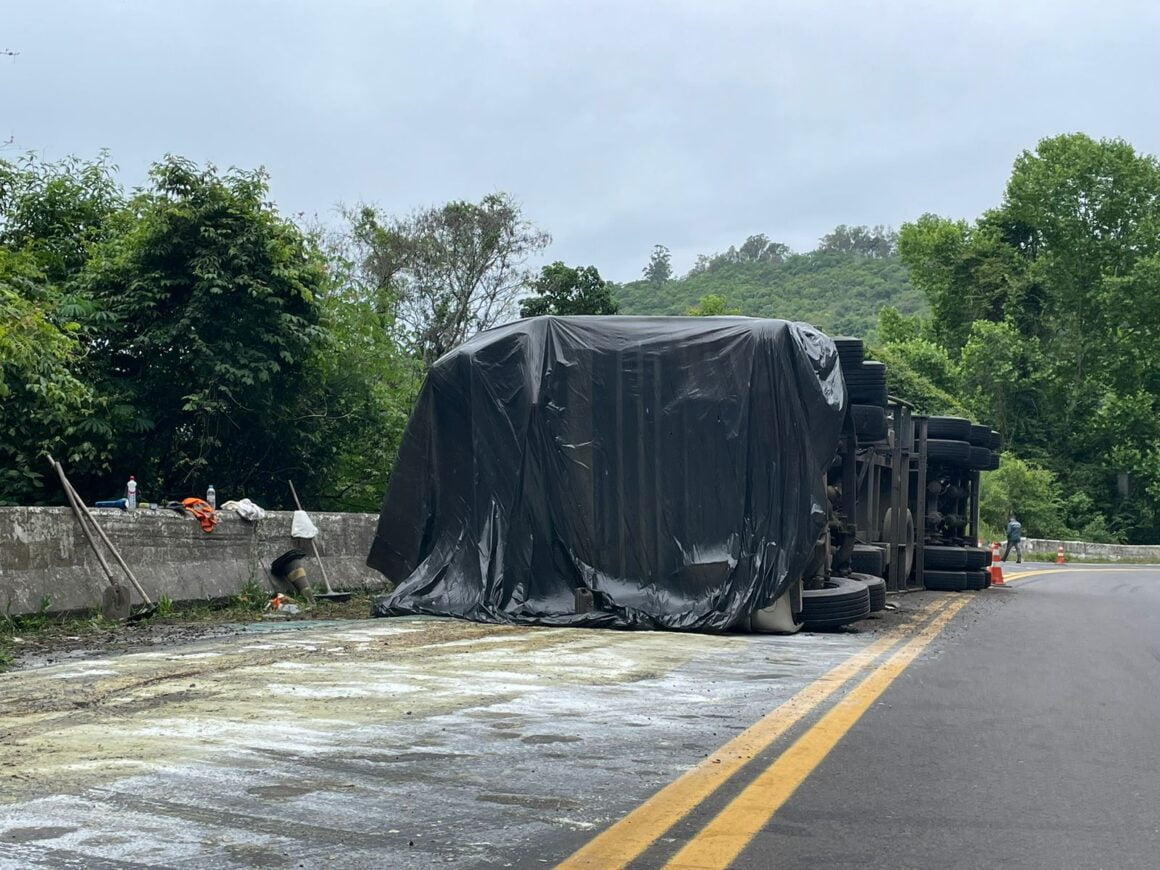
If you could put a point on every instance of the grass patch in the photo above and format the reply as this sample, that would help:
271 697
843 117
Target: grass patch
42 633
1088 559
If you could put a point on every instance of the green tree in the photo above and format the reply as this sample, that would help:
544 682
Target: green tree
211 310
565 290
1047 303
863 241
360 386
55 212
43 400
712 305
1031 493
660 266
450 271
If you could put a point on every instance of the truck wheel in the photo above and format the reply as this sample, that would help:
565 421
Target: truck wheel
850 352
980 458
779 617
945 581
953 428
995 441
869 422
952 452
980 436
868 560
877 587
866 385
977 557
977 579
944 558
841 601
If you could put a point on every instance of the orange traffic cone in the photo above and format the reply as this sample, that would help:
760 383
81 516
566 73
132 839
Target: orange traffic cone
996 574
1059 560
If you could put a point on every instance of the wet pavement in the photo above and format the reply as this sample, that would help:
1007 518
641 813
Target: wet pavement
414 743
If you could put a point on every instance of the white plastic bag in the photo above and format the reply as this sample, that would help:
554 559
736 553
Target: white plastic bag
247 510
301 527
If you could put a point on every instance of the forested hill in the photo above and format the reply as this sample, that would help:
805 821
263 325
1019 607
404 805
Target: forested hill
839 291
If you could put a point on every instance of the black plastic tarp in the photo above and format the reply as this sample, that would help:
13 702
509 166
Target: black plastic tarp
672 465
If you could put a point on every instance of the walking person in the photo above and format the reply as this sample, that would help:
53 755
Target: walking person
1014 539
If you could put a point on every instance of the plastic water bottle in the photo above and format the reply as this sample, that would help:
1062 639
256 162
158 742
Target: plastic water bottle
211 497
131 493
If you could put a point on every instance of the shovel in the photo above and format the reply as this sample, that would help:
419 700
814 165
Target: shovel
329 594
116 601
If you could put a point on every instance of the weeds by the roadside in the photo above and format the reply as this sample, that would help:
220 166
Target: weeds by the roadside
251 597
17 622
1088 559
43 630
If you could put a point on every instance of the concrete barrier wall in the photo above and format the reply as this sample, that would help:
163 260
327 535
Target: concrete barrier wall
44 554
1110 552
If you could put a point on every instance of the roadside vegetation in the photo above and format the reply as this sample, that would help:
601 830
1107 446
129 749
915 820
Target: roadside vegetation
188 333
44 636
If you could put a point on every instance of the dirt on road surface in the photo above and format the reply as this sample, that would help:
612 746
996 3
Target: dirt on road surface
395 742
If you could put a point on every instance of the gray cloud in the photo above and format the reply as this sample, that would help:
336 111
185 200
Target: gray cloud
618 125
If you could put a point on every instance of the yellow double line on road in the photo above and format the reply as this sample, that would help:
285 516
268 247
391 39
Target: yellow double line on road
719 842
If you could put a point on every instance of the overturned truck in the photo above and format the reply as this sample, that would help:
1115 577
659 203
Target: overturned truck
653 472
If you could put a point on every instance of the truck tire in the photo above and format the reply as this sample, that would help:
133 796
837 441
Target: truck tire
993 465
877 587
996 440
977 579
952 428
841 601
944 558
850 352
980 458
869 422
952 452
977 557
866 385
867 395
870 372
980 436
945 581
868 560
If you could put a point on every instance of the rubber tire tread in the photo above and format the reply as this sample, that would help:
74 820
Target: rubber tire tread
868 560
980 458
869 422
944 558
851 352
995 442
945 581
950 451
842 601
980 436
976 579
977 557
948 428
860 394
877 587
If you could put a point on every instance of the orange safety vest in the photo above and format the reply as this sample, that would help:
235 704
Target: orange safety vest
202 511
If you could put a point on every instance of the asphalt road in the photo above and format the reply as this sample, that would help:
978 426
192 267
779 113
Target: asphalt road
1027 737
1012 727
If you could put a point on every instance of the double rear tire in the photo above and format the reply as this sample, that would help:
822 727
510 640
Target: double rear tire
841 601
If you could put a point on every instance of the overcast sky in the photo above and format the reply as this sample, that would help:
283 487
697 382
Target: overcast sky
617 125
